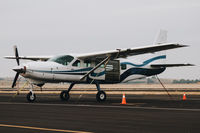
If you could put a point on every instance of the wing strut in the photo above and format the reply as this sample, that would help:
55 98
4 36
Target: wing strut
164 87
97 66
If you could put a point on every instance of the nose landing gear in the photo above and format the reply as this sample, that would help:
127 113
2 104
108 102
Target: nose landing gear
31 97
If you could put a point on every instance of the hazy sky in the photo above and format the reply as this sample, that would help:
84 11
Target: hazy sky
48 27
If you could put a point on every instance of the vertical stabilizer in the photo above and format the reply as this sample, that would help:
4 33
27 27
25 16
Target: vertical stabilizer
161 37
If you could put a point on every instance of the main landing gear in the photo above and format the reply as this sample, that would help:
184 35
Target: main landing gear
100 96
64 95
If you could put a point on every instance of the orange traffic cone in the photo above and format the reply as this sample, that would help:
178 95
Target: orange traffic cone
184 96
123 99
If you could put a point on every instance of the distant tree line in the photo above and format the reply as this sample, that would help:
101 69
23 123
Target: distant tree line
151 80
185 81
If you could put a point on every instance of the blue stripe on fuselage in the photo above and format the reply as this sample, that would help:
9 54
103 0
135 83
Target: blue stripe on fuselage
140 71
145 62
71 71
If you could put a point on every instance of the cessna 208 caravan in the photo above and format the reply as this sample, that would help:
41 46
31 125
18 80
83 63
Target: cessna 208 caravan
95 68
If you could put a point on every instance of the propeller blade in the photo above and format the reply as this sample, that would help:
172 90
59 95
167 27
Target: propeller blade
15 80
16 54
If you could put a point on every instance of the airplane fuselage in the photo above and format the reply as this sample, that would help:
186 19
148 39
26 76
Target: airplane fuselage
115 72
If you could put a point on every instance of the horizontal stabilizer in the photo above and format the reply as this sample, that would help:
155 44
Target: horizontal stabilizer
170 65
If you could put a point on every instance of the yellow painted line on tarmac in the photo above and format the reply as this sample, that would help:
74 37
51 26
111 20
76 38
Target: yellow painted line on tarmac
43 129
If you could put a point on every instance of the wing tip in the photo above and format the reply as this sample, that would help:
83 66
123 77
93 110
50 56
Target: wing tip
188 64
182 45
176 44
8 57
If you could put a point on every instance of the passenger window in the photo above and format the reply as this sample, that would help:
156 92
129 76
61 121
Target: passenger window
77 63
102 66
123 66
87 64
97 62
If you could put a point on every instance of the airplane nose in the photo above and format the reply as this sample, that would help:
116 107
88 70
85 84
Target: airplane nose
19 69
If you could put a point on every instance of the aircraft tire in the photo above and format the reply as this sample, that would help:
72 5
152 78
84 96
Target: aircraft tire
101 96
64 96
30 97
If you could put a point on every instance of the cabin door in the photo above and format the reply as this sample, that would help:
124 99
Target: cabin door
112 71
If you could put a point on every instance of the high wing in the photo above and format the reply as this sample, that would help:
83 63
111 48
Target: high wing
34 58
123 53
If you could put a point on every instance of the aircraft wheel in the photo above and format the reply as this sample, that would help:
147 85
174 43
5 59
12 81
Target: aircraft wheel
64 96
101 96
31 97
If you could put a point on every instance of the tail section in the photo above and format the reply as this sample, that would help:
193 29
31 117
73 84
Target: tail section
161 62
160 39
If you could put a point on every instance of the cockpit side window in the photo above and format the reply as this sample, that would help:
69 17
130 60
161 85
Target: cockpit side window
64 60
77 63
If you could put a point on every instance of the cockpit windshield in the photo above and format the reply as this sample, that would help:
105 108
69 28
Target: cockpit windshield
64 60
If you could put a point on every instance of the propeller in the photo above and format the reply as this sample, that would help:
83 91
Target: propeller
18 68
15 80
16 55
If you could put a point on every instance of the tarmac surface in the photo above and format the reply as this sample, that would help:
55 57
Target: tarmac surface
142 114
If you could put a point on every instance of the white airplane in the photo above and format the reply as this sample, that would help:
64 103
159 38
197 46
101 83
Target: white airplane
96 68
